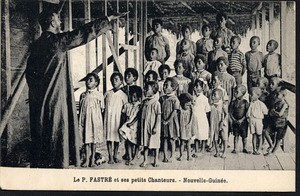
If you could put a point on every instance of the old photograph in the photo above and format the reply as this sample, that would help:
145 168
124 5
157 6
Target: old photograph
142 92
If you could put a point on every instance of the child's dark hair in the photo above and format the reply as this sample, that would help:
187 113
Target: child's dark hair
218 91
255 37
151 72
133 71
275 42
154 49
198 82
163 67
224 59
184 27
202 57
113 75
205 27
237 38
220 16
177 62
157 21
96 77
185 98
242 88
174 83
217 37
137 90
154 86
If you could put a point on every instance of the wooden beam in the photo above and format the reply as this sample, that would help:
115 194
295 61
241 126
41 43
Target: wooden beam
141 44
257 24
114 53
255 10
127 34
104 60
263 29
283 38
210 5
128 47
158 7
87 17
271 20
116 37
135 31
253 24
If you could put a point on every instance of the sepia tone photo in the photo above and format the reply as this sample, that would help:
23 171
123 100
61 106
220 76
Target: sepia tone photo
148 91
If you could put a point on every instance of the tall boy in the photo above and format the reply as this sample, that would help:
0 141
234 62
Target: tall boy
272 60
215 54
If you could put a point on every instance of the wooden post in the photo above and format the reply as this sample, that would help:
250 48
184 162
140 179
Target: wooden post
127 34
116 36
283 38
144 34
271 20
135 30
141 63
0 76
263 29
87 17
253 24
104 60
257 24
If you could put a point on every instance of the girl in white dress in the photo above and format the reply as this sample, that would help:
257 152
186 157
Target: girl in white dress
114 101
201 110
90 118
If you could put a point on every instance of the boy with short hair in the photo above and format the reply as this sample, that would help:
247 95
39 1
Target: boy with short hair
153 63
131 76
254 61
237 62
205 44
215 54
272 61
164 72
237 113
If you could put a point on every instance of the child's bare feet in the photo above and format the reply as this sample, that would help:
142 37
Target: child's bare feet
84 164
165 160
194 156
216 155
129 162
116 160
256 153
246 151
155 165
269 154
143 164
189 159
223 155
93 165
110 161
179 159
234 151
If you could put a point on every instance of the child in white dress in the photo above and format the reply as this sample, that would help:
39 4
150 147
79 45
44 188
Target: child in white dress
90 118
114 101
153 63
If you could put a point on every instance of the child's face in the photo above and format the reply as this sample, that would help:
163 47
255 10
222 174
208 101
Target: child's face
271 46
234 44
222 66
150 78
186 33
261 84
200 65
157 28
148 91
254 43
153 55
179 69
215 96
274 85
91 83
218 42
215 82
198 89
187 105
116 82
238 93
129 79
165 73
168 87
206 32
253 96
134 97
222 22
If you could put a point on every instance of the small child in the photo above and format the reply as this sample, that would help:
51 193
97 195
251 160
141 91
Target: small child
152 76
183 82
237 113
254 61
186 124
131 76
150 122
164 72
278 119
201 73
186 32
169 107
263 84
129 130
114 101
205 44
186 57
237 62
218 121
255 116
272 61
153 63
215 54
90 118
227 80
201 109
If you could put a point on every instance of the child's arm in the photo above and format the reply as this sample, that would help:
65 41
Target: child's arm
281 112
157 119
243 62
165 122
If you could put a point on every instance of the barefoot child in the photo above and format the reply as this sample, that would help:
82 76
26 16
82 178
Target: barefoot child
129 130
255 116
272 61
213 55
169 107
186 124
114 101
164 72
90 118
201 73
152 76
150 122
201 109
205 44
237 113
183 82
153 63
218 122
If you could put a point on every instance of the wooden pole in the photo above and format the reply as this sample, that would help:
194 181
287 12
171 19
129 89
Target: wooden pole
116 37
114 52
253 24
257 24
271 20
0 77
127 34
87 16
283 38
141 44
135 30
263 29
104 60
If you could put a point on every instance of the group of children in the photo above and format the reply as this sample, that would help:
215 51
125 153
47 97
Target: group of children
200 105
